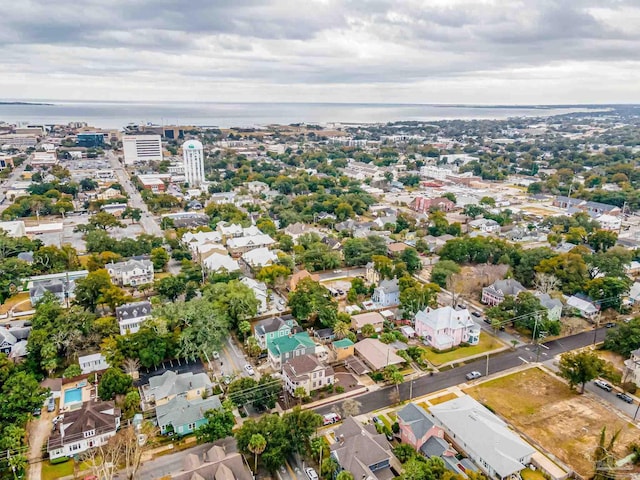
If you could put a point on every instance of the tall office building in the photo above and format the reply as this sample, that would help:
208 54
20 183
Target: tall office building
193 156
142 148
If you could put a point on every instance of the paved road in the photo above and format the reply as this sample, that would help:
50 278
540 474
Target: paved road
232 360
147 221
630 409
498 363
171 464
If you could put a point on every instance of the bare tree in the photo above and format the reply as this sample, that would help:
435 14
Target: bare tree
124 450
546 282
130 366
351 408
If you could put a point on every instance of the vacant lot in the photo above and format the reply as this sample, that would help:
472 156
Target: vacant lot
565 423
487 343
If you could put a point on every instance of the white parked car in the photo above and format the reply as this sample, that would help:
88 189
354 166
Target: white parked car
473 375
249 369
311 473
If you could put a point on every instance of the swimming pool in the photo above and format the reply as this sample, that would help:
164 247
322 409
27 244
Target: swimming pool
73 395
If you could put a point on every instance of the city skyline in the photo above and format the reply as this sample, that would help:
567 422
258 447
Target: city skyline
436 52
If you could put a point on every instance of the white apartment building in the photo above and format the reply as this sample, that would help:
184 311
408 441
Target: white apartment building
193 156
142 148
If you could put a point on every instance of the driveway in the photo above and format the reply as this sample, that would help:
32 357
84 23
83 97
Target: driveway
38 434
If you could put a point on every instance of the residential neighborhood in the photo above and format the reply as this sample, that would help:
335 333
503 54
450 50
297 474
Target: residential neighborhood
387 292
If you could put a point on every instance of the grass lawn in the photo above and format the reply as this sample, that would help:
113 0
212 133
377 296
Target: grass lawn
160 275
563 422
16 299
392 416
442 398
52 472
528 474
487 343
385 420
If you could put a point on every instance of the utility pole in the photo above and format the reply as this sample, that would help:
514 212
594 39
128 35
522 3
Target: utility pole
487 369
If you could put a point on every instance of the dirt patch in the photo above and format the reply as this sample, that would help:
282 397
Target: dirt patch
613 358
563 422
442 398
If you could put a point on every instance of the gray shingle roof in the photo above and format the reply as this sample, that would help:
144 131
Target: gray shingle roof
170 383
180 411
416 418
483 433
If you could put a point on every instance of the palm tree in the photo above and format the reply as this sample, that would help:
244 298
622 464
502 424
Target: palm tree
603 459
257 444
394 376
300 393
341 329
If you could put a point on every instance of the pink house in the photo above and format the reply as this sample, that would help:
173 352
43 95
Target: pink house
416 426
445 327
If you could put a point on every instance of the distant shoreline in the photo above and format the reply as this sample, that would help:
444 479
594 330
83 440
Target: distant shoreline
27 103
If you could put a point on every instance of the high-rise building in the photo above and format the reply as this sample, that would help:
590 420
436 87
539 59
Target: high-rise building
192 152
142 148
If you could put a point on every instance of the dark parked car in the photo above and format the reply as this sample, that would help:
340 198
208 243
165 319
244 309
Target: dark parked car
476 314
610 325
624 397
487 320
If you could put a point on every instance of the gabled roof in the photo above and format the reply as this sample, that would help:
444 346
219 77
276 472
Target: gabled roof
289 343
445 317
389 286
133 310
273 324
100 417
368 318
484 434
377 354
171 383
7 337
416 418
300 367
506 287
359 447
259 257
180 411
130 265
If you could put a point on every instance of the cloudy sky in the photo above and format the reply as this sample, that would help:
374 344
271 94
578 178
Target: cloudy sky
417 51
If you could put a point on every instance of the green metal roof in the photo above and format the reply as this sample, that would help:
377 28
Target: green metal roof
280 345
344 343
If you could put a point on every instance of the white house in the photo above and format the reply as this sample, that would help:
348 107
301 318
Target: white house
132 272
484 437
634 293
92 363
387 293
632 367
259 290
259 257
485 225
495 293
446 327
585 307
80 430
240 245
306 372
217 262
609 222
131 316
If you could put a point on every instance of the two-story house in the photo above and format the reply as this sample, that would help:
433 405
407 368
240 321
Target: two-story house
80 430
131 273
259 289
61 285
552 305
362 451
7 340
632 367
272 328
387 293
446 327
495 294
282 349
306 372
417 426
131 316
94 362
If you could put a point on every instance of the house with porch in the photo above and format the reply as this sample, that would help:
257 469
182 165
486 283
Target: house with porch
495 293
446 327
387 293
131 273
182 416
306 372
283 349
272 328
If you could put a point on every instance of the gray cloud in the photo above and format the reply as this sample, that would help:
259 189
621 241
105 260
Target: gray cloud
283 46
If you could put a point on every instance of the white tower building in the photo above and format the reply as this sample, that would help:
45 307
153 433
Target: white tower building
193 156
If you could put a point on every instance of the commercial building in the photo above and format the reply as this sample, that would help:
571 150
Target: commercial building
90 139
193 156
142 148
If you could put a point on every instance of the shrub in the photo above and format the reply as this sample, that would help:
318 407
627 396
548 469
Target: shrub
629 387
57 461
339 389
395 427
